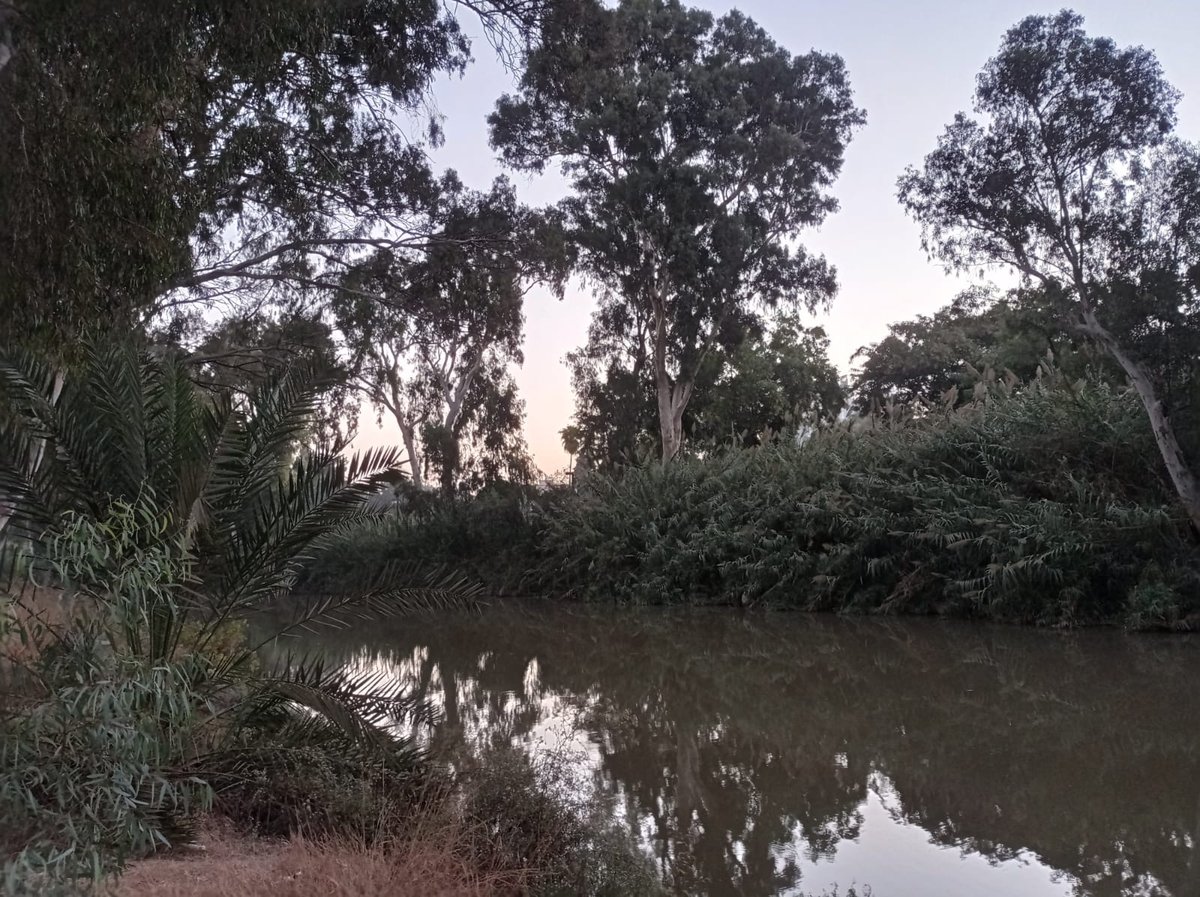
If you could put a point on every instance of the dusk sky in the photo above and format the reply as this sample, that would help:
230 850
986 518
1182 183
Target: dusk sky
912 66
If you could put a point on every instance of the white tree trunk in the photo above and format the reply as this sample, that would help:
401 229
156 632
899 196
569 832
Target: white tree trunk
672 396
670 421
1182 477
408 432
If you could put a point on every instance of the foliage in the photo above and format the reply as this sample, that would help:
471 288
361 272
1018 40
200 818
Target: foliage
1041 505
489 536
615 409
778 382
247 160
89 772
245 351
927 359
232 145
431 336
572 440
1073 180
219 500
696 150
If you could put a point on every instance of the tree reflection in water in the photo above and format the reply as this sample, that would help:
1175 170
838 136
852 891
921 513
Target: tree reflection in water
743 747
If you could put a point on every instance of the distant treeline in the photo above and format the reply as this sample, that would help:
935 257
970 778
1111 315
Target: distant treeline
1042 504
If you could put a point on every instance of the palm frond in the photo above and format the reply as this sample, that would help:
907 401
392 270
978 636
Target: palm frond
397 589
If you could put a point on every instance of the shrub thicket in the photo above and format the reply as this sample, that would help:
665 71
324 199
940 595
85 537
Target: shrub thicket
169 516
1043 506
489 538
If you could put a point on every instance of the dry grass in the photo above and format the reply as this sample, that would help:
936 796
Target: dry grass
427 864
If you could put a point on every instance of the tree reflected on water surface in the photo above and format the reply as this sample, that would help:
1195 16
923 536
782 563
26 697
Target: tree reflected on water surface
741 748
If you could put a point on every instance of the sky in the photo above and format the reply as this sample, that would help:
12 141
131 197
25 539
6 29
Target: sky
912 66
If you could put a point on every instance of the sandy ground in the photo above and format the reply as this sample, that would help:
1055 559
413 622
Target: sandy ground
223 863
231 865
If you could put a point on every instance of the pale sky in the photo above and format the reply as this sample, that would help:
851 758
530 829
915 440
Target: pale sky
912 65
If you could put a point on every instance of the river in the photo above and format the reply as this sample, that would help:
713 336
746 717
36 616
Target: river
781 754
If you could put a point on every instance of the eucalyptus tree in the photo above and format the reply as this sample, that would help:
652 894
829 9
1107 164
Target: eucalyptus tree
698 149
431 335
778 381
615 406
944 356
1073 179
246 351
160 153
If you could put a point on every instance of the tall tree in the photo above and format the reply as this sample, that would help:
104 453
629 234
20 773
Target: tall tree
431 335
778 380
698 150
923 359
615 406
155 153
242 353
1072 179
778 383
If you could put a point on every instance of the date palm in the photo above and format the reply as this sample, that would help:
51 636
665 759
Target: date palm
126 450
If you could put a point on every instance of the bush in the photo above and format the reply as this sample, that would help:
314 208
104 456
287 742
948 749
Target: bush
172 514
489 537
89 771
1046 506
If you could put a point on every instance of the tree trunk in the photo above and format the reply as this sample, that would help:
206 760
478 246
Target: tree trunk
670 419
408 432
1182 477
672 397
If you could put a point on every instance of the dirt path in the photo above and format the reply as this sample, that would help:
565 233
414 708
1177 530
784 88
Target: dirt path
232 865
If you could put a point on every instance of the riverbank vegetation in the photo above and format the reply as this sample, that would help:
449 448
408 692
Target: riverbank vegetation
1041 505
159 519
222 248
1036 503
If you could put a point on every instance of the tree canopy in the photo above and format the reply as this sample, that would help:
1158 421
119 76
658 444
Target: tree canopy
159 154
1071 177
942 357
698 148
430 336
777 382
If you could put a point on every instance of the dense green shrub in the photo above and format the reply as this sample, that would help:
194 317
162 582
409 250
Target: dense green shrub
489 537
91 743
1042 506
171 515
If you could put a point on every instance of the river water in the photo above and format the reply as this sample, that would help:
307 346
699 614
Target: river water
784 754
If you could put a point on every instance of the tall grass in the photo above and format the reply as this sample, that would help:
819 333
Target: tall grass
1044 505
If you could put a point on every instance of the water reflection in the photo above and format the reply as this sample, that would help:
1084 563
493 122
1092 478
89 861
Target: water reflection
766 755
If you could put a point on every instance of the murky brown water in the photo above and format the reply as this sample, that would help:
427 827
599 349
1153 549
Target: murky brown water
783 754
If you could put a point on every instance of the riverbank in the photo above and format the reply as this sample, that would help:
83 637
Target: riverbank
283 815
224 862
1046 506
